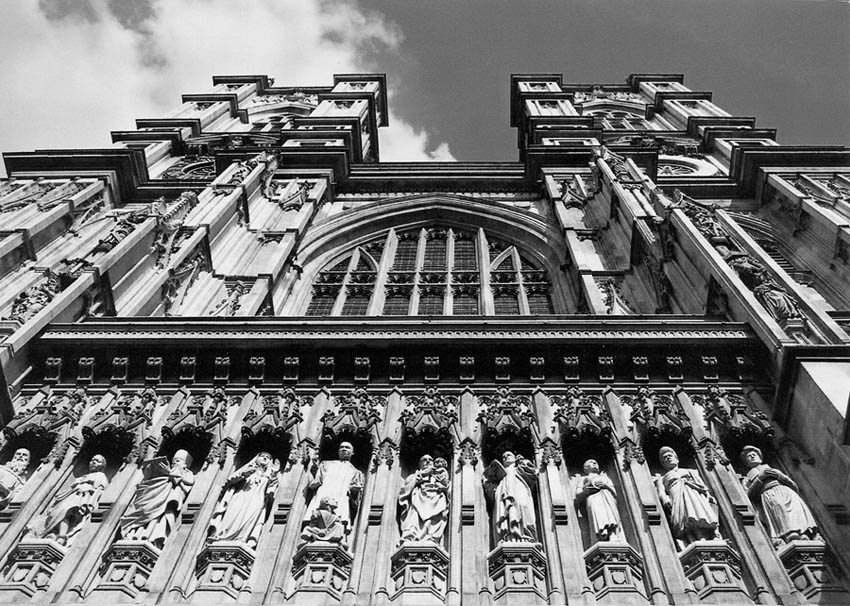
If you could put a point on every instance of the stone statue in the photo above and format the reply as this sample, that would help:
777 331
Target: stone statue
510 482
158 499
692 511
338 480
241 511
325 524
423 502
784 513
72 508
597 492
13 475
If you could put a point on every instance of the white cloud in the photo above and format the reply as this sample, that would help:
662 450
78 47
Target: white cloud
68 82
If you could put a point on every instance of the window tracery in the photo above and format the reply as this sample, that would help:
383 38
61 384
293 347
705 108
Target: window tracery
432 271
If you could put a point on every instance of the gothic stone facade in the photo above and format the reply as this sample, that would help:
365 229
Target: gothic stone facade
245 362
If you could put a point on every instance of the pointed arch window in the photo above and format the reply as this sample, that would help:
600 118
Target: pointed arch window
432 271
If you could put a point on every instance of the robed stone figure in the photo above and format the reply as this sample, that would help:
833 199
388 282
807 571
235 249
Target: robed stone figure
597 492
13 475
692 511
785 514
340 481
72 508
241 511
326 525
423 502
158 499
510 483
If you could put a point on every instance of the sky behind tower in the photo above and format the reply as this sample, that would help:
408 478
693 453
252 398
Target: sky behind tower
76 69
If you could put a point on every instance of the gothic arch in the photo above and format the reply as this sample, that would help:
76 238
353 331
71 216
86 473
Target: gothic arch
334 239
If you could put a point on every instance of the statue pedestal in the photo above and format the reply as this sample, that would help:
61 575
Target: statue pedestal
616 572
807 565
518 571
224 566
321 567
127 566
715 571
31 565
420 570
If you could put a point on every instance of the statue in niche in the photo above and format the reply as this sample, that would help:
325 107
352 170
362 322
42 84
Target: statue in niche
241 511
597 492
785 514
72 508
510 482
692 510
339 481
158 499
423 501
13 475
326 524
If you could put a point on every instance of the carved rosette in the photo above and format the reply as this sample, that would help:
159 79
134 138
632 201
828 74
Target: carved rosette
322 567
807 563
615 571
420 571
518 571
127 566
715 571
224 566
31 565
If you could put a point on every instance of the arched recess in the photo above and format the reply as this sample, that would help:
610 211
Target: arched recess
349 240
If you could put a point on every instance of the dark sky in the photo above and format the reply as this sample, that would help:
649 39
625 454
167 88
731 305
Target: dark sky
786 63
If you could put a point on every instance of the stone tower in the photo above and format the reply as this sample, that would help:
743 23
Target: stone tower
244 361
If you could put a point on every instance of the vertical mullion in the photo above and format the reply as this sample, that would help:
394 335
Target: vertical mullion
376 306
448 297
340 298
488 307
521 298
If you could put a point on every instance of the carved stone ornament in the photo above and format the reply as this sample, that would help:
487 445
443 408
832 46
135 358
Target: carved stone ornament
615 301
714 569
598 93
518 571
53 418
323 567
170 220
356 412
277 414
176 287
125 224
615 570
773 297
809 565
420 570
659 414
31 565
190 168
35 298
581 415
616 163
229 303
224 566
429 411
572 194
127 566
204 414
731 414
290 196
702 216
505 411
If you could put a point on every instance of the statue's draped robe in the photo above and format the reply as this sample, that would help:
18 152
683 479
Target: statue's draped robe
336 479
157 498
240 513
77 503
601 504
691 513
514 517
10 482
784 510
424 506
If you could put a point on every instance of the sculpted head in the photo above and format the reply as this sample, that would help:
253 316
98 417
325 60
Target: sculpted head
508 458
97 463
441 463
181 458
751 456
264 459
346 451
591 466
328 504
668 458
426 462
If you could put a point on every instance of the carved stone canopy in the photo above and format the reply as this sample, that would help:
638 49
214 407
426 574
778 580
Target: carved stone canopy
737 423
505 411
429 410
581 415
356 412
658 415
275 413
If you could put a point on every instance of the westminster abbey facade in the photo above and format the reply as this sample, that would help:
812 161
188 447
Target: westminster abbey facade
246 362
